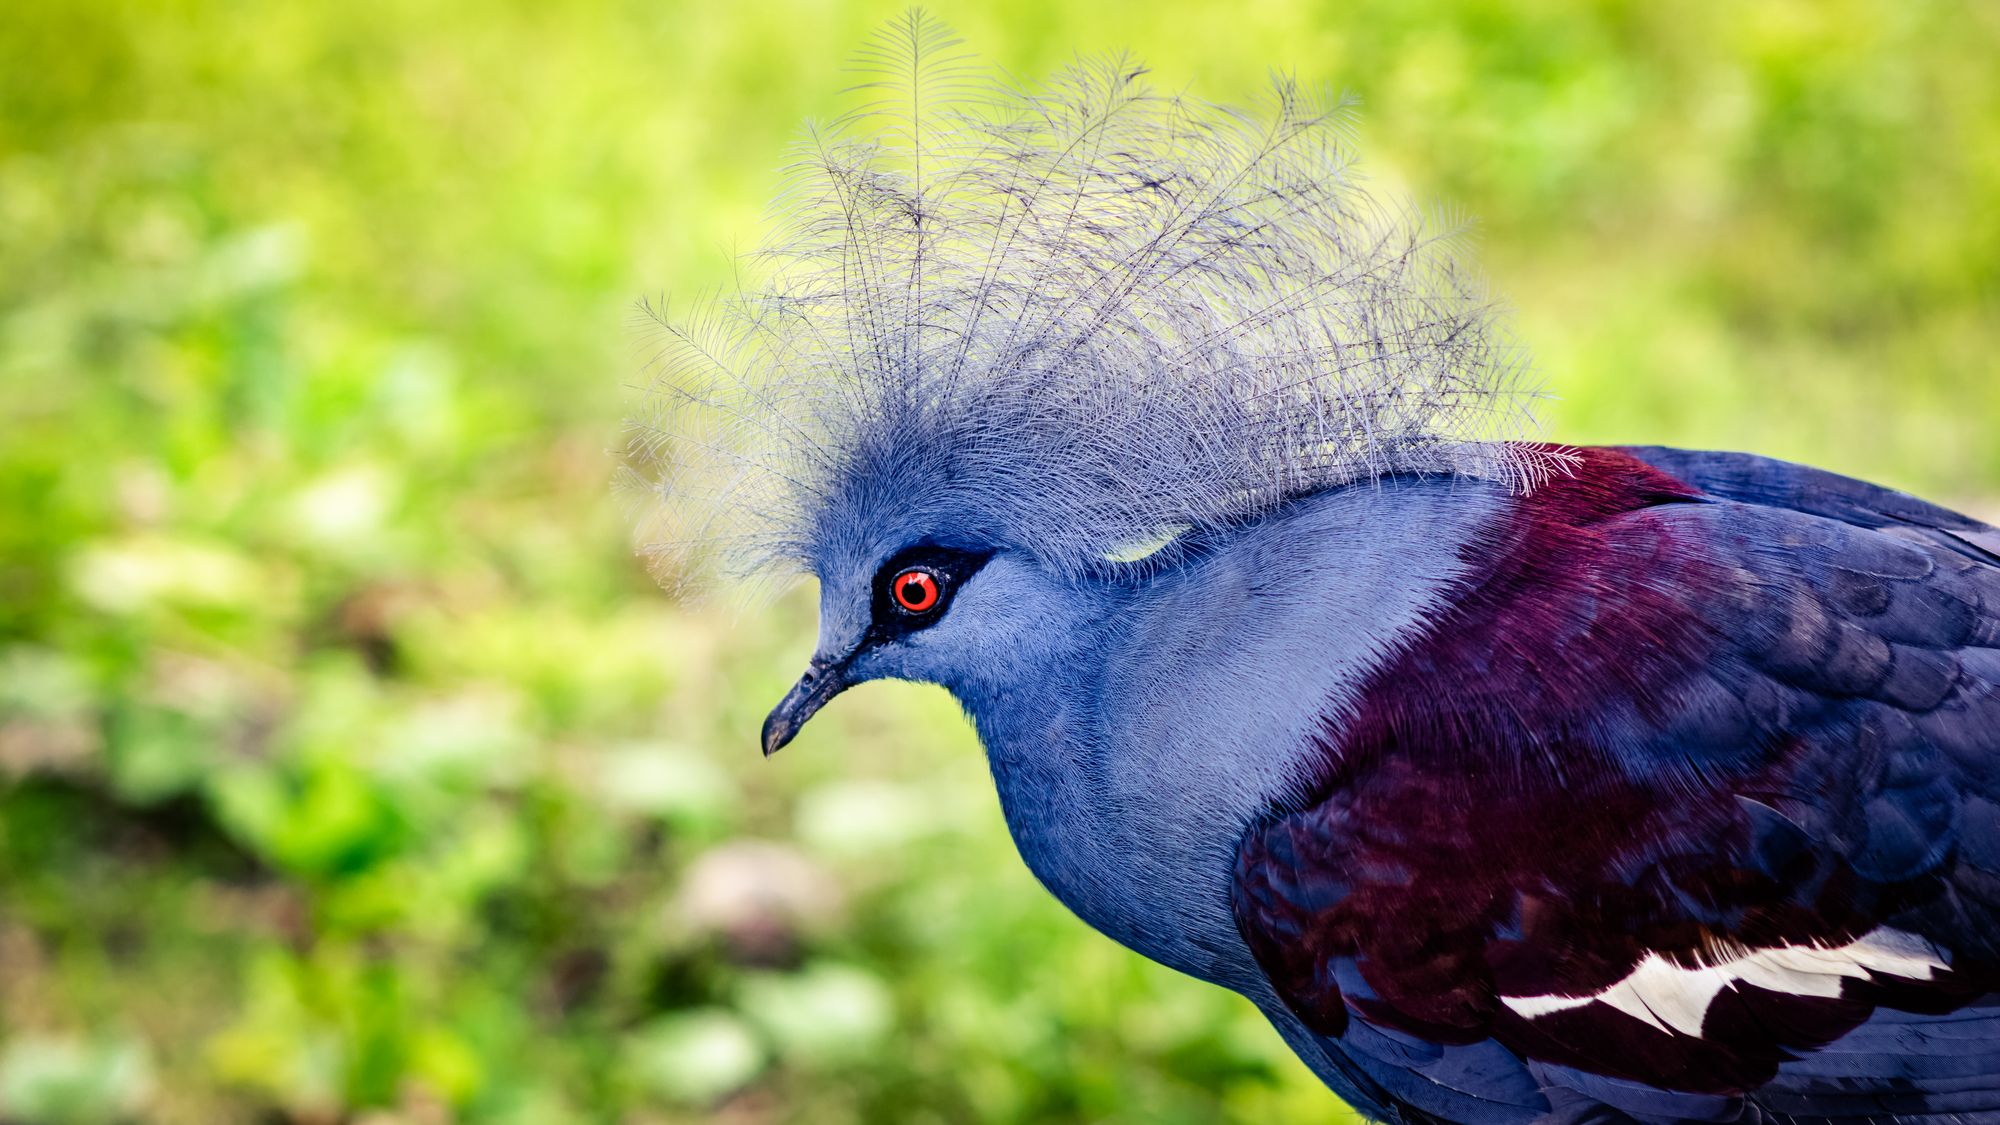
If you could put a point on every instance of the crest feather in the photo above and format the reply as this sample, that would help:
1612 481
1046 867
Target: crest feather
1061 319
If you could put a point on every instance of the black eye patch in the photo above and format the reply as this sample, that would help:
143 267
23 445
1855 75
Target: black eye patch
915 586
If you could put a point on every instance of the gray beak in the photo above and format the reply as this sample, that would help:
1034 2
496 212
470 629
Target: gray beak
823 680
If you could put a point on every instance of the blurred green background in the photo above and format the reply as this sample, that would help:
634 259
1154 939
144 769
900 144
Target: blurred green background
352 770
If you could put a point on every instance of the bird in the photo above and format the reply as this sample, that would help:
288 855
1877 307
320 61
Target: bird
1513 781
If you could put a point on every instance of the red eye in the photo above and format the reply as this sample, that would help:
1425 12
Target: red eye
915 590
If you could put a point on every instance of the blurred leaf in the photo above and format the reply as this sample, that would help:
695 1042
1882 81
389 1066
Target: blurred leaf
51 1081
823 1014
141 573
658 779
860 817
694 1058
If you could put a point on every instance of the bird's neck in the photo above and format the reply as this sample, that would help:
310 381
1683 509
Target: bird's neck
1046 750
1131 755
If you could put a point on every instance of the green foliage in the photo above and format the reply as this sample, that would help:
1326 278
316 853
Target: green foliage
351 769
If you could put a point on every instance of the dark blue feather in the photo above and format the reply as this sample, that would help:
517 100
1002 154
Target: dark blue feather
1744 707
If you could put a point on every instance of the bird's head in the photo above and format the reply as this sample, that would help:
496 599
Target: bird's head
926 611
1003 338
921 580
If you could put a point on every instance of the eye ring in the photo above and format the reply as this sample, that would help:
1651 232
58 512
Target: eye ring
915 590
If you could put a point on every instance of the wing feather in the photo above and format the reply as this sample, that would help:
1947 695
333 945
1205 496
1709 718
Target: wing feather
1696 789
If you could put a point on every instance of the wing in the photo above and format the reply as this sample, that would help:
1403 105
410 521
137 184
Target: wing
1695 789
1750 479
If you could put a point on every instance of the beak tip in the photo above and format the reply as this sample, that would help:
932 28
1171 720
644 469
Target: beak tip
773 738
823 680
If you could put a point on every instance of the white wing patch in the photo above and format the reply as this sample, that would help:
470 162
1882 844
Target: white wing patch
1676 998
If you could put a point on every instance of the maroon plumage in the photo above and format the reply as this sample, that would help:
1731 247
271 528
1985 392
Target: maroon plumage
1677 718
